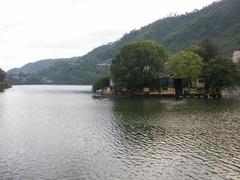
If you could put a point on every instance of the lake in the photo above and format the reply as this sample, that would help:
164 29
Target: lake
61 132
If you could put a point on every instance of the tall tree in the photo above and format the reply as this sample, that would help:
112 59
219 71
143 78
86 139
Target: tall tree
221 73
206 49
138 64
186 64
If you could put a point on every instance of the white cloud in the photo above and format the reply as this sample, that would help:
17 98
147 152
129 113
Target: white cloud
36 29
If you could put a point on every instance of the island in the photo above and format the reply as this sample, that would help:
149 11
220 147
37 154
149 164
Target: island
144 68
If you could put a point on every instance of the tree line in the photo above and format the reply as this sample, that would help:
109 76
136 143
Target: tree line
140 64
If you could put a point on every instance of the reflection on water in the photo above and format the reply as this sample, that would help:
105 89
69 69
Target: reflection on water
189 139
61 132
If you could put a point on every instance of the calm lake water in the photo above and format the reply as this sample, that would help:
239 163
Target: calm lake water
61 132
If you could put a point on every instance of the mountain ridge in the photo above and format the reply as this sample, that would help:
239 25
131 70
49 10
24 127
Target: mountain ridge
218 22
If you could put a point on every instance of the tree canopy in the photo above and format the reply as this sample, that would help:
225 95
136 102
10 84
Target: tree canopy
186 64
138 64
207 50
221 73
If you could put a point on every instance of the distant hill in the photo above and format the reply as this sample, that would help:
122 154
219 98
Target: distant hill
219 22
35 66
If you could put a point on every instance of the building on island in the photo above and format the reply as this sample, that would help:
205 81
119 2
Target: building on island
198 83
236 56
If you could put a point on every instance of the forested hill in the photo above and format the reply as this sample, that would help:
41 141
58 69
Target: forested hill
219 22
36 66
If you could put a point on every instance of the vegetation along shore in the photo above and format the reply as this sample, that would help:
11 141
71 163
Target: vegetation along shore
3 83
144 68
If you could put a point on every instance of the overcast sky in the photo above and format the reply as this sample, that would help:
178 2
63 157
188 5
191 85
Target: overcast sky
31 30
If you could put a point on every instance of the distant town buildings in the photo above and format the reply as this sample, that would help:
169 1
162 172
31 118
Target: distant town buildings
236 56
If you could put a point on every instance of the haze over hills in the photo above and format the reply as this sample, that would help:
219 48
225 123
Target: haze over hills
218 22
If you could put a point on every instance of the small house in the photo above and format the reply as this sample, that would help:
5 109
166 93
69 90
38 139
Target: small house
146 89
236 56
198 83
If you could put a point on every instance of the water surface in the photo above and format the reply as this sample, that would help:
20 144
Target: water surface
61 132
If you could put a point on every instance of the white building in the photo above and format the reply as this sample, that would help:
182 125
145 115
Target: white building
236 56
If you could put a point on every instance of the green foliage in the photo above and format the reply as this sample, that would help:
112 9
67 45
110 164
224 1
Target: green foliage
2 75
138 64
186 64
221 73
205 49
101 83
3 82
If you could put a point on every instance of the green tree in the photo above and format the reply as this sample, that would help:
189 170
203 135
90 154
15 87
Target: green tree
2 75
138 65
221 73
101 83
205 49
186 64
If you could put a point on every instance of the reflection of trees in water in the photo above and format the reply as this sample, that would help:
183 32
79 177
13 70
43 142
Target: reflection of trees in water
206 106
139 106
189 134
143 122
135 118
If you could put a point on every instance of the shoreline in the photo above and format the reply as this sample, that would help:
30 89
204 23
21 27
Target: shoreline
171 96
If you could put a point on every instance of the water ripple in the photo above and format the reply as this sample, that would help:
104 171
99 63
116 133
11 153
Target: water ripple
62 133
